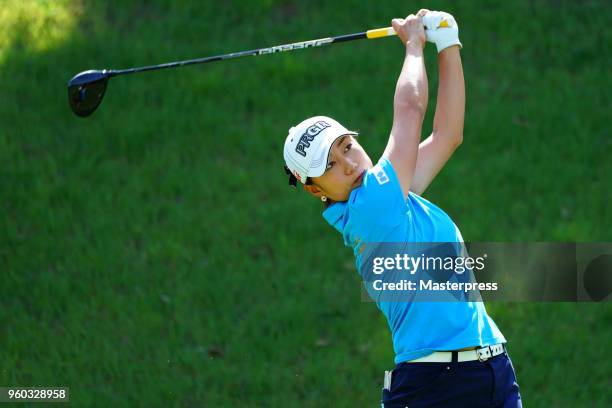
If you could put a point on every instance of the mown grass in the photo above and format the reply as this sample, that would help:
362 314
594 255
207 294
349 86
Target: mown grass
153 255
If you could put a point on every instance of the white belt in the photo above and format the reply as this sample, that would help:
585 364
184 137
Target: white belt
480 354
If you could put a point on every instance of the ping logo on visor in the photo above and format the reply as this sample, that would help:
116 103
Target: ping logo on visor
309 136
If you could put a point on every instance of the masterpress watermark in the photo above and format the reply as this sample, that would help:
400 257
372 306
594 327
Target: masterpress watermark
451 272
422 263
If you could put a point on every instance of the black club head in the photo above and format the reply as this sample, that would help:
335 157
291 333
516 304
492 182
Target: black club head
86 90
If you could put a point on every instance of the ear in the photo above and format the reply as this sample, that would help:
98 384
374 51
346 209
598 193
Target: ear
312 189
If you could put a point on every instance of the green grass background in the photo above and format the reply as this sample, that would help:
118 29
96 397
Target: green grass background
153 254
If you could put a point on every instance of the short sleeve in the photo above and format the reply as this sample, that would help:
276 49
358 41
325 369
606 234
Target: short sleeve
380 199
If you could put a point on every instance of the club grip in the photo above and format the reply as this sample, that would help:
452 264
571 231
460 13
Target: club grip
380 32
389 31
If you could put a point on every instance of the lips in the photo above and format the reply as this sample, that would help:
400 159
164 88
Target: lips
357 181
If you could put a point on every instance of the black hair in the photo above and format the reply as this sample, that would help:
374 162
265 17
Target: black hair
293 182
293 179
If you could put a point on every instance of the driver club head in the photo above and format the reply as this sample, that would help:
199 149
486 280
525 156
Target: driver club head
86 90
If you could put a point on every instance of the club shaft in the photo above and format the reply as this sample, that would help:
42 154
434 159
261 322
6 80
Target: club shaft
370 34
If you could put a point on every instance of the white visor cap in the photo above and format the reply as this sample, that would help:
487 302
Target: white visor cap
308 144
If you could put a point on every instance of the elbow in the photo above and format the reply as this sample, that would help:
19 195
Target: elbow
451 138
455 141
458 139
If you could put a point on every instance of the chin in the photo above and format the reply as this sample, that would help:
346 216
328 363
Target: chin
341 199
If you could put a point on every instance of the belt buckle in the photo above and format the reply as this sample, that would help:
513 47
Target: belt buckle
483 359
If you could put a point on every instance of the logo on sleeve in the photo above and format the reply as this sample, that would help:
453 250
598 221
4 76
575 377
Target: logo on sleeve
380 175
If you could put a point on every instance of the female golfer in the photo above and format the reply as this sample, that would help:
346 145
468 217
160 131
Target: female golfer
447 354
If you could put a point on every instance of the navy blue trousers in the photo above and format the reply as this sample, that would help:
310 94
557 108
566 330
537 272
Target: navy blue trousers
469 384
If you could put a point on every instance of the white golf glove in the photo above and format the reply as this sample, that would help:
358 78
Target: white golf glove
443 37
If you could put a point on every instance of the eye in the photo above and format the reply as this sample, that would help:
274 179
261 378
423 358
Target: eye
348 147
330 165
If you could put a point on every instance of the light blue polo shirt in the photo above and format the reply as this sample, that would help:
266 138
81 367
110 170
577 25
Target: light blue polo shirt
376 212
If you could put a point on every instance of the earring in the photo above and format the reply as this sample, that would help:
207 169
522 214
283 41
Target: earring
323 198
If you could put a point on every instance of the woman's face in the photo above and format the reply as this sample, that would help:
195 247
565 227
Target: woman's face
347 164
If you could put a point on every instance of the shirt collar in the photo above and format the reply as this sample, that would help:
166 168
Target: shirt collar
334 215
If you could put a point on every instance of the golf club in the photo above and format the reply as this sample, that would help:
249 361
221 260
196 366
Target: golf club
86 89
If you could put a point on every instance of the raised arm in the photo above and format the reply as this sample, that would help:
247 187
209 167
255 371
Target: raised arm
409 102
447 133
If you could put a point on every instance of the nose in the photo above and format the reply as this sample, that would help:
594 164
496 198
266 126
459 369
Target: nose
349 166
